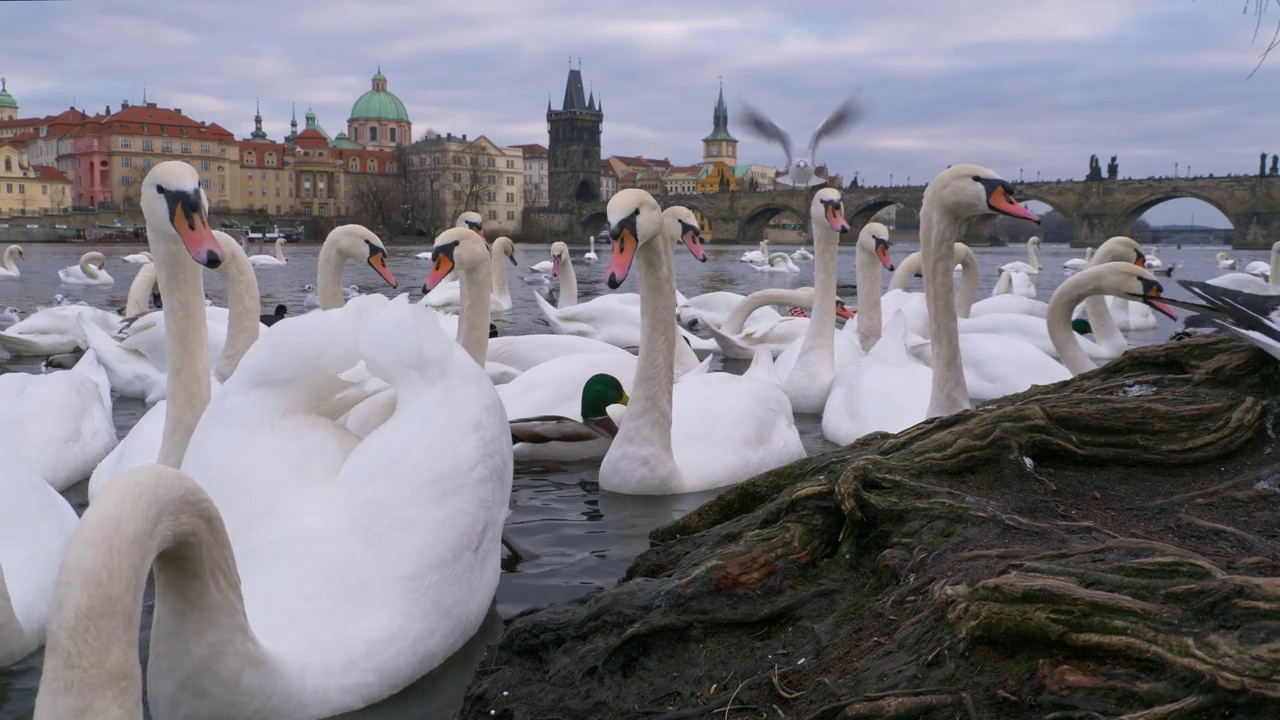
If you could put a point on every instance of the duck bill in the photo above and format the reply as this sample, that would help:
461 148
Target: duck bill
443 266
1003 202
694 243
192 225
882 252
835 216
843 311
378 261
624 251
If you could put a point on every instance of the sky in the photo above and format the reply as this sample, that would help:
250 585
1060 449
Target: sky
1023 88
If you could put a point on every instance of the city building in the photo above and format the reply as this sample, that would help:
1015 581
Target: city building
535 175
608 181
29 190
573 154
452 174
8 106
682 180
720 146
378 118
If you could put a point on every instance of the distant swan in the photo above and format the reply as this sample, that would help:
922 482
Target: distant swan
88 272
138 258
10 270
271 260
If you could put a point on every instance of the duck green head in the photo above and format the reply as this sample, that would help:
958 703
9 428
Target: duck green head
598 393
1081 326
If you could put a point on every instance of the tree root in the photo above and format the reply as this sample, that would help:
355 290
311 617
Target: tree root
1072 551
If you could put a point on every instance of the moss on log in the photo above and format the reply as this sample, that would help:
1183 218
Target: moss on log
1107 547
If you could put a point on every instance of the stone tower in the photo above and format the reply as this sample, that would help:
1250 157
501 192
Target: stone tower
573 157
720 146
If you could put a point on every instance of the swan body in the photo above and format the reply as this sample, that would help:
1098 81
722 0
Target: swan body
1078 264
778 262
708 430
1015 282
522 352
756 257
275 260
713 308
1225 262
885 390
541 267
88 272
448 295
1031 266
590 254
138 258
739 339
1269 271
8 269
1009 303
9 317
56 330
801 254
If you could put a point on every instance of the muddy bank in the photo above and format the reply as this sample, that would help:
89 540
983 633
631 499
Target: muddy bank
1106 547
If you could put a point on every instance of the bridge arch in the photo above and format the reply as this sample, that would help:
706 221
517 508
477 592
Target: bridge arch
752 227
1126 218
1064 228
594 222
863 210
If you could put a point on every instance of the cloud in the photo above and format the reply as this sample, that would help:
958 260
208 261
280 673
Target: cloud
1033 86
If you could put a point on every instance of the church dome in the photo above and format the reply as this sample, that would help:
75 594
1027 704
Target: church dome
6 100
378 104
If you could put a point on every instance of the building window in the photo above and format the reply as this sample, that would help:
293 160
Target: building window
373 165
126 162
206 166
457 177
493 214
511 197
166 147
277 207
126 144
277 195
186 148
205 149
491 196
511 163
490 163
391 134
511 214
126 181
277 177
355 165
323 209
250 192
8 188
373 134
147 146
44 189
511 180
307 211
146 162
8 165
271 159
22 189
207 184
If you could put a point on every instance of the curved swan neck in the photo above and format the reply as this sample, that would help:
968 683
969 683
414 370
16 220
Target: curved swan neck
140 290
1073 290
474 311
938 233
149 517
737 318
568 283
867 271
1031 255
907 269
329 275
182 287
243 301
88 268
591 244
1275 264
968 291
9 252
280 249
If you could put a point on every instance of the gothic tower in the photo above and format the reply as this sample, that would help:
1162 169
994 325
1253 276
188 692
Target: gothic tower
573 162
720 146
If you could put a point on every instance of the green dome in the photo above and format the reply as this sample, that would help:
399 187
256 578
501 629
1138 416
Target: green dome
379 104
6 100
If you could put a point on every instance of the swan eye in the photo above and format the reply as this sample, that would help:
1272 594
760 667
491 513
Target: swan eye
160 189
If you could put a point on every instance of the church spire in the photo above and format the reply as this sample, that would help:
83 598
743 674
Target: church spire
720 120
258 133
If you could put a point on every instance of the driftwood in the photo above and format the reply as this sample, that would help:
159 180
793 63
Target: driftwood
1107 547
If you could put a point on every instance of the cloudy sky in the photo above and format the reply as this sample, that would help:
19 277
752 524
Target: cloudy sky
1024 88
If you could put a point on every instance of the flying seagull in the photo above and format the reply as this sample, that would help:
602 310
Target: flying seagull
799 172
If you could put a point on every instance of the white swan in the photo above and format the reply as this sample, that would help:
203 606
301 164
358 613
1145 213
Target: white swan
1267 271
470 220
801 254
1031 266
448 295
756 257
9 269
562 268
713 308
89 272
778 262
1119 279
248 562
138 258
347 242
1015 282
271 260
55 330
708 430
541 267
590 254
745 331
1225 262
1078 264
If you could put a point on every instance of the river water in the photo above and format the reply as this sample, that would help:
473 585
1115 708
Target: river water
583 539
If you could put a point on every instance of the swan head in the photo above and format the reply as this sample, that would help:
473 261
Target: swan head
1128 281
634 218
1222 256
172 200
842 310
1119 249
95 258
874 238
679 222
1034 240
16 250
504 245
357 242
559 254
455 248
969 190
828 205
473 222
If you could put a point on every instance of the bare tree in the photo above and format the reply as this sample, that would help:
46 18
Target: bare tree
1261 9
423 191
375 200
479 175
132 192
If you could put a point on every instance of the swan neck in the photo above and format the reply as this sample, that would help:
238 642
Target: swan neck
1275 264
1031 256
737 318
939 232
88 268
498 274
647 423
329 276
140 290
280 249
905 271
968 291
151 517
243 305
867 270
1073 290
474 311
9 252
568 284
182 287
1103 322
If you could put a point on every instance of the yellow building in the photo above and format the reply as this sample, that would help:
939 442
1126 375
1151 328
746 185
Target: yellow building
719 177
29 190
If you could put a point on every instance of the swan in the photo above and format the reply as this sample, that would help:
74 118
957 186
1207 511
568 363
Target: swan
56 330
89 272
1225 262
347 242
541 267
1077 264
1267 271
778 262
710 429
872 247
562 268
310 302
1119 279
801 254
1015 282
470 220
713 308
741 336
590 255
9 316
897 298
448 295
1031 266
566 439
271 260
138 258
1254 317
956 195
885 390
9 269
756 257
246 558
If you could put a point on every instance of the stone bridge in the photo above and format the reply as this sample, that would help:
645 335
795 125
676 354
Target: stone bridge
1096 210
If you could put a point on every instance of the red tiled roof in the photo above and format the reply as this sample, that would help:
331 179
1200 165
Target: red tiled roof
533 150
641 162
687 169
310 138
50 174
20 138
129 121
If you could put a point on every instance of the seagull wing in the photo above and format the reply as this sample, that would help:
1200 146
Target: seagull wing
765 129
849 112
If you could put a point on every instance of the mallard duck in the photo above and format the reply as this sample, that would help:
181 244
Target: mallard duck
555 437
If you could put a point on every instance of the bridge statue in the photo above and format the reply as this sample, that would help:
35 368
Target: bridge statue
1262 165
1113 168
1274 169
